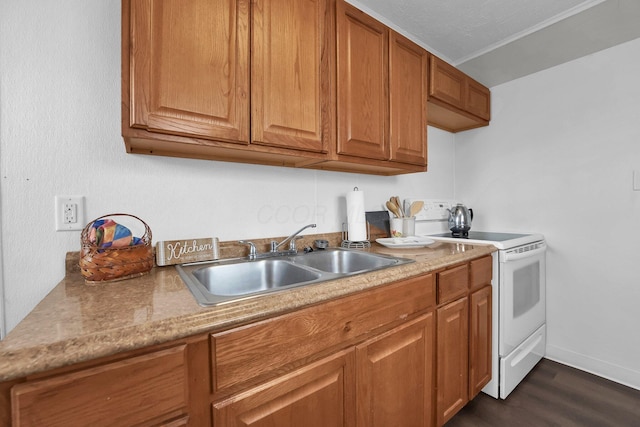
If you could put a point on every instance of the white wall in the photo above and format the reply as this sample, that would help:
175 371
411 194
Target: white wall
60 135
558 158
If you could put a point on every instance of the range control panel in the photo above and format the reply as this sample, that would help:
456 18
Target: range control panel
433 210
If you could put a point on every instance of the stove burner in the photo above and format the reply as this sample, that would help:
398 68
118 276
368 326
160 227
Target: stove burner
460 234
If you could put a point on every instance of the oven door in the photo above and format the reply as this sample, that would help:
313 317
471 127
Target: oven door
522 294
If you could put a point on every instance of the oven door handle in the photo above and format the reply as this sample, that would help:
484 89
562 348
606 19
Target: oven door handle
506 256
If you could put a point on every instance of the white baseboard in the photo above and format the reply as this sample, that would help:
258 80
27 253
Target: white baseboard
610 371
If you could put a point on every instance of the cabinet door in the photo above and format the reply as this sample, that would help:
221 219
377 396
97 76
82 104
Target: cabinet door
479 340
452 359
362 84
408 100
446 83
478 100
290 74
394 376
189 68
317 395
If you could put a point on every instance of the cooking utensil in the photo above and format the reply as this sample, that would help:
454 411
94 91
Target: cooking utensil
397 202
394 209
393 202
415 208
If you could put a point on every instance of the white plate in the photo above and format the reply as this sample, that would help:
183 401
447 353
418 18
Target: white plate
405 242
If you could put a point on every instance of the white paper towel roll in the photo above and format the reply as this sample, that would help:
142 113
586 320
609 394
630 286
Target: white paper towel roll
356 221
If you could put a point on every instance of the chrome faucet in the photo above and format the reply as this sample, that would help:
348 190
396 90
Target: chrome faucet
291 239
253 253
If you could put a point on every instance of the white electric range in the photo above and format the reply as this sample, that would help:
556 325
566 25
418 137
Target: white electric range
519 294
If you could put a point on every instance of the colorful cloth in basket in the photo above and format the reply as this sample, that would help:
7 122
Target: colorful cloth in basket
106 233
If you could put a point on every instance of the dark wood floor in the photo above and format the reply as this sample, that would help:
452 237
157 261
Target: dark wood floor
555 395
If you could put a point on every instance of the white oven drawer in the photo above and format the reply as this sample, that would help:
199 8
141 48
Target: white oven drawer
515 366
522 300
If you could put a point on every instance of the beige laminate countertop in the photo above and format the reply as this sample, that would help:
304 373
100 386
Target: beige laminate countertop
77 322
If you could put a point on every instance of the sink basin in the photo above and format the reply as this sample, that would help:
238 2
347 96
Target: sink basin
344 262
249 277
218 282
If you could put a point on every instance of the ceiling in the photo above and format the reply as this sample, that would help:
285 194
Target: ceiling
496 41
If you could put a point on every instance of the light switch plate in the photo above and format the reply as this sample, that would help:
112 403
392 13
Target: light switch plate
69 213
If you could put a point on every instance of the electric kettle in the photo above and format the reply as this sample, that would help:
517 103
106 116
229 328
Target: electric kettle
460 218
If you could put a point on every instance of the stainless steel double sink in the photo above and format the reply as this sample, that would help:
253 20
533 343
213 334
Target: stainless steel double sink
218 282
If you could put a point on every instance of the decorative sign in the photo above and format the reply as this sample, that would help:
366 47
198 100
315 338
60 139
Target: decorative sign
170 252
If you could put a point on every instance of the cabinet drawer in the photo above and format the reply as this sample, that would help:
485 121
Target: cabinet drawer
261 348
453 283
481 272
127 392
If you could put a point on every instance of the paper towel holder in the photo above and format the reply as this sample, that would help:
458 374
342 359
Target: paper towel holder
354 244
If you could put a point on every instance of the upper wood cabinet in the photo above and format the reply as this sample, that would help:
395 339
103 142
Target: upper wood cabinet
363 104
381 97
235 80
408 93
456 101
184 77
291 74
300 83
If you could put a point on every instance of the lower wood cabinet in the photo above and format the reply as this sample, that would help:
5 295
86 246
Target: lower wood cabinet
463 335
452 359
316 395
263 350
378 370
155 388
479 340
410 354
385 381
394 376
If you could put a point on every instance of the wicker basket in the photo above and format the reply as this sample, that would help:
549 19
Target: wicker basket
98 265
